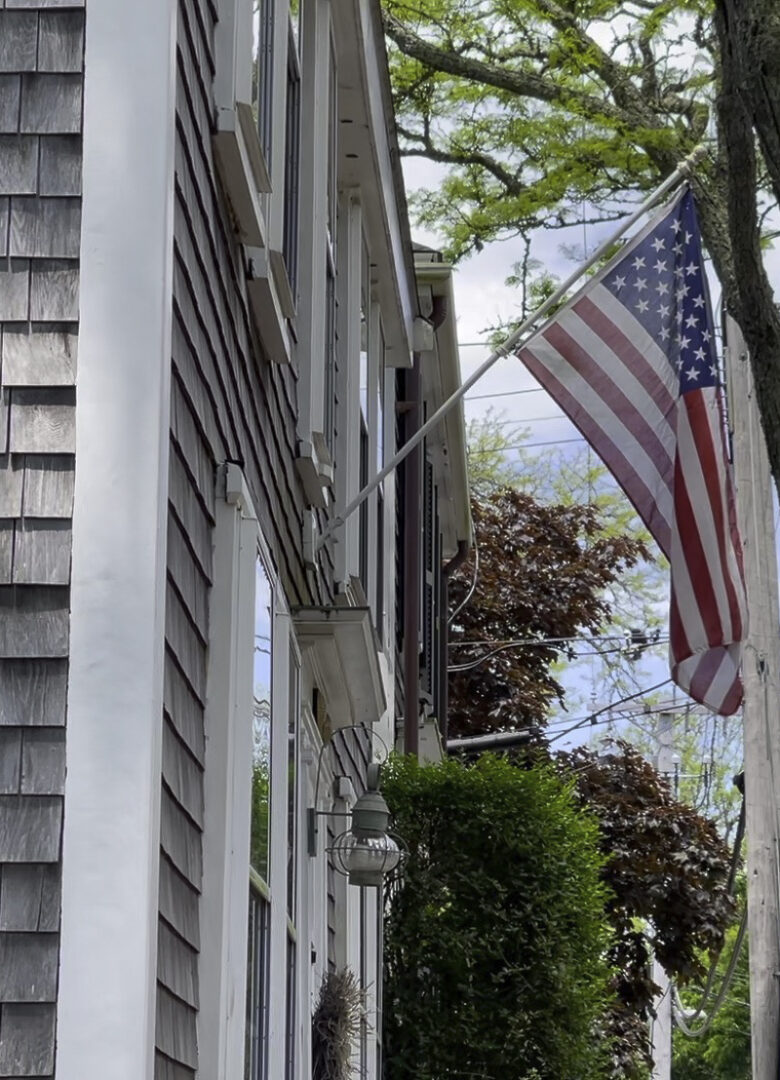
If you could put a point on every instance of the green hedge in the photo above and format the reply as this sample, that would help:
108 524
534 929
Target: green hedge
495 937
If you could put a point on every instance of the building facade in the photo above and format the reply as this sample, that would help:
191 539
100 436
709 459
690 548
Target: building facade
209 307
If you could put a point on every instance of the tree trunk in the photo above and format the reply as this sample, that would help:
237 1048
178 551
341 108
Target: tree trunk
748 291
752 33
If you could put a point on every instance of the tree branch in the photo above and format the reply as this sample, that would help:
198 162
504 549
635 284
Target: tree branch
521 83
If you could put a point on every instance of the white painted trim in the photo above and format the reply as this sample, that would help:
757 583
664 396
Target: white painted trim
107 986
227 784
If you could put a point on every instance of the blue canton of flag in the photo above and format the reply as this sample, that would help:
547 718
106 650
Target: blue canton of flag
631 360
663 283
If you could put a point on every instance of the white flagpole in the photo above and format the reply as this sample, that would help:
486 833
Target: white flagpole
510 345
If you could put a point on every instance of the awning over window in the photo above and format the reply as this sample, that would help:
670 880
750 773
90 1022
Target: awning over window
344 652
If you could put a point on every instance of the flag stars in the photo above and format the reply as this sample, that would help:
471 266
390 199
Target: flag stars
691 268
706 337
618 282
677 249
677 225
659 244
660 266
663 310
642 306
691 321
684 342
640 284
662 288
700 354
698 301
638 262
692 374
664 332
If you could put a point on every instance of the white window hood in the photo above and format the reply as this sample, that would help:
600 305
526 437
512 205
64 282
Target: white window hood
343 650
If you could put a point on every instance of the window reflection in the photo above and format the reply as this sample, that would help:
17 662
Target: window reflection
261 725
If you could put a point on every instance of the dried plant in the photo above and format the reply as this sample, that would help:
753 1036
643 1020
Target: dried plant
336 1025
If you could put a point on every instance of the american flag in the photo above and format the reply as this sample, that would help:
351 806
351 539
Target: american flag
631 360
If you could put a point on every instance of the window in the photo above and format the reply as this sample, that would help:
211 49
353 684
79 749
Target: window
292 157
263 73
259 855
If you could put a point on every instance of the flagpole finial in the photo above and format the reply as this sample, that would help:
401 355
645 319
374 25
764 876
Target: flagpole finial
686 166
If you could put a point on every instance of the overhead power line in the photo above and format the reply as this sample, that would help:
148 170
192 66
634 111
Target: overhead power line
504 393
606 708
525 446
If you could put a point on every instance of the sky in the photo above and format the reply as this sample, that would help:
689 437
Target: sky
482 300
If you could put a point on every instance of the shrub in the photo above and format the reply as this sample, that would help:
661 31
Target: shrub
495 936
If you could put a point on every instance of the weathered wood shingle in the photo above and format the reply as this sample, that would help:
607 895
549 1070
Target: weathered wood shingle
48 486
27 1040
18 40
60 41
45 357
34 622
28 967
30 897
51 104
60 165
10 96
42 552
34 692
30 829
11 477
18 164
45 228
43 421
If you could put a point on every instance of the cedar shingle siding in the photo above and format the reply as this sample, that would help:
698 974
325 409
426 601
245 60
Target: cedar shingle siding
41 83
228 403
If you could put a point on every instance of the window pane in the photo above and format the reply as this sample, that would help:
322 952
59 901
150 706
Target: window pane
363 372
289 1071
363 511
292 790
262 71
261 728
255 1056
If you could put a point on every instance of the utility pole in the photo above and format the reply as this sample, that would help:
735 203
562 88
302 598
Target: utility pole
662 1024
761 708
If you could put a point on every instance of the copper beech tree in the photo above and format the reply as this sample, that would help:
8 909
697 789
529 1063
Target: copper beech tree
544 574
